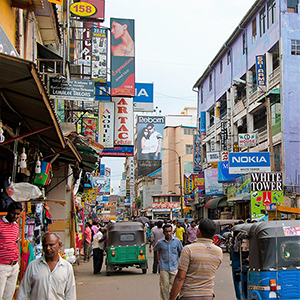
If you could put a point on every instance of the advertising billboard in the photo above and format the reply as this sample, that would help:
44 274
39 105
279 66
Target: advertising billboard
142 101
203 122
266 192
197 162
149 137
247 162
99 54
88 9
102 183
106 124
118 151
261 71
123 121
212 186
247 140
122 57
223 172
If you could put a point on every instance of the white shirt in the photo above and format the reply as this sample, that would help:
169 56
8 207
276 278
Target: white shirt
39 283
97 237
154 137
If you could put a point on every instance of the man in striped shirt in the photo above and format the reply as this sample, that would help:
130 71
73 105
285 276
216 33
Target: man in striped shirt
9 251
197 266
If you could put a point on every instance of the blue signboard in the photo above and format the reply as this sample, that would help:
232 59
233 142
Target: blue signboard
203 122
223 172
197 153
118 151
260 70
248 162
143 100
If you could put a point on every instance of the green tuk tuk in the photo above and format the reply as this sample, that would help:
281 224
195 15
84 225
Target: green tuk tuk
126 247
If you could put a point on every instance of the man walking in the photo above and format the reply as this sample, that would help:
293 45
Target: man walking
9 251
156 235
167 253
197 266
179 232
191 233
48 277
98 250
155 142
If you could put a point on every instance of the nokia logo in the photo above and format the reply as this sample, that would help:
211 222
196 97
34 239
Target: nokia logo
247 159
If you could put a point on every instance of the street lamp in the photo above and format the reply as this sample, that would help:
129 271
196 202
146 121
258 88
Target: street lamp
268 107
180 179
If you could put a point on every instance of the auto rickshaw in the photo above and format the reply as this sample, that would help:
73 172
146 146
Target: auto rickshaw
266 260
126 247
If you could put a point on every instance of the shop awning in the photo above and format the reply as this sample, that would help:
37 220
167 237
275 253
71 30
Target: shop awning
273 95
207 204
244 197
215 203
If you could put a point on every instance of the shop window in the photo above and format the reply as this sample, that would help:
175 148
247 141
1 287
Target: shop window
275 59
254 31
271 12
295 47
262 21
292 6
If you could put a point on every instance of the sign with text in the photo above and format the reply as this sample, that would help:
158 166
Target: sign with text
203 122
223 172
213 157
157 205
80 90
106 124
247 140
248 162
267 181
122 57
224 136
197 153
261 71
123 121
121 151
88 9
212 186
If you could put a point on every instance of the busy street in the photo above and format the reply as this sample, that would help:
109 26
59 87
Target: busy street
131 284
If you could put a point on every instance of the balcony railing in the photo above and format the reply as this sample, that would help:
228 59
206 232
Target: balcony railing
274 78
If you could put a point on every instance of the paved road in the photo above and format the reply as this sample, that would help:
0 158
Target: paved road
131 284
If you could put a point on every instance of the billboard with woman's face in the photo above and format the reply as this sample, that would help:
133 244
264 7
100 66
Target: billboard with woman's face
122 57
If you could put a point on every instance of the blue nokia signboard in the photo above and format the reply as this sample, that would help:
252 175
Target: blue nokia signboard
248 162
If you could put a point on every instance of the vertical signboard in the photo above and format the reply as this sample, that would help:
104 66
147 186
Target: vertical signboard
189 188
203 122
99 54
224 136
89 128
122 57
197 153
106 124
266 193
261 71
123 121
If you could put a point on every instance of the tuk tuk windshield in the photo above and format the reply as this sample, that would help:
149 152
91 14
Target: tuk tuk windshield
290 251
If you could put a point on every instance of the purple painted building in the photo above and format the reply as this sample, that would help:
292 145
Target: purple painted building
228 91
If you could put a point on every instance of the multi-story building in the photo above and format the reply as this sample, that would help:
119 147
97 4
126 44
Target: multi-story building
227 90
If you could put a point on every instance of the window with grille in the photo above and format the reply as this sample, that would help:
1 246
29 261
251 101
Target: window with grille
244 43
221 66
189 149
295 47
228 57
271 12
262 20
201 94
254 31
210 82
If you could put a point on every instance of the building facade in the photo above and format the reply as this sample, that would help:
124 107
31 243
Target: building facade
228 94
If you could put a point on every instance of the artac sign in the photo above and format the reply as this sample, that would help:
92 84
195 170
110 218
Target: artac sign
248 162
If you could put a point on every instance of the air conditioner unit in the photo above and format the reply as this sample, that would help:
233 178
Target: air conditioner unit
75 69
240 123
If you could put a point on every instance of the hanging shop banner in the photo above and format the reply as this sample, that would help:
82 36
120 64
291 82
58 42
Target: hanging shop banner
80 90
247 162
223 172
88 9
102 183
199 184
89 128
203 122
188 183
99 54
261 71
224 136
224 155
6 46
197 153
123 121
106 124
122 57
212 157
212 186
149 137
247 140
